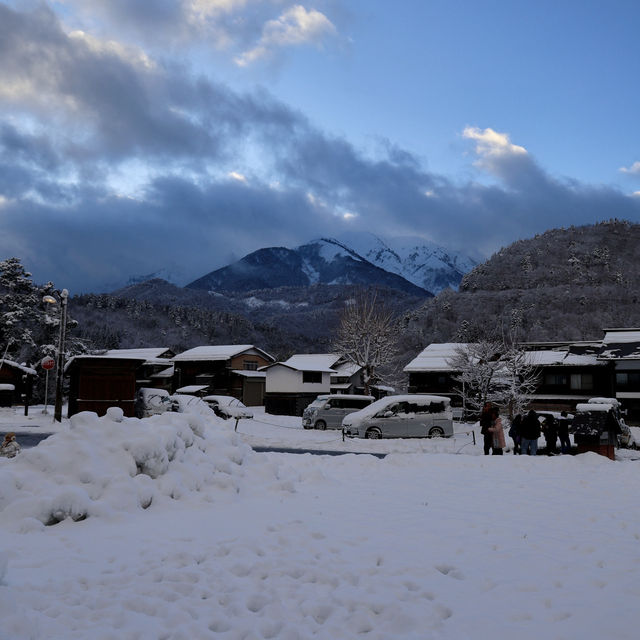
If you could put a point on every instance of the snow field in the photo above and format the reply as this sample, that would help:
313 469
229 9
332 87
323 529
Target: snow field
236 544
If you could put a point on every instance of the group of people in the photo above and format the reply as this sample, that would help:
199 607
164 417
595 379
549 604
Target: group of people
524 431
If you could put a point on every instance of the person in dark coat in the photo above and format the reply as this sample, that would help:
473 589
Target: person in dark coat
514 432
530 432
563 432
550 428
486 420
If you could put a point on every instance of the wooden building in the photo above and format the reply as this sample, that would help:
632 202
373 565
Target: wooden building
16 382
230 370
111 379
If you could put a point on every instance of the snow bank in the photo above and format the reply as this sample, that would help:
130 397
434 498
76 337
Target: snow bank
100 466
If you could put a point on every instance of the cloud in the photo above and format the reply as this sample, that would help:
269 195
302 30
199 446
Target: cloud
86 119
634 169
294 27
491 144
229 26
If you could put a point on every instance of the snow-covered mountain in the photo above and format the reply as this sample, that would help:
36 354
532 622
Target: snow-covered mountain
424 263
364 259
322 262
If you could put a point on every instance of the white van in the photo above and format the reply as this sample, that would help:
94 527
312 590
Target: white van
151 402
327 411
408 416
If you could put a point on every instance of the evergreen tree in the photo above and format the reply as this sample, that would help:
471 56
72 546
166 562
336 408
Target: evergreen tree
23 320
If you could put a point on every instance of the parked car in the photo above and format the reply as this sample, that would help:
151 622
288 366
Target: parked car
408 416
327 411
151 402
228 407
185 403
613 408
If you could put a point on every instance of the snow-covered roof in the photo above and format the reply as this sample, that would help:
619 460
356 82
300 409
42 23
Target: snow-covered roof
619 344
247 373
312 362
217 352
346 369
435 357
16 365
165 373
341 385
383 387
621 335
192 388
561 358
150 353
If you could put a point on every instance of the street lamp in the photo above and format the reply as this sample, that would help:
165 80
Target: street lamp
49 299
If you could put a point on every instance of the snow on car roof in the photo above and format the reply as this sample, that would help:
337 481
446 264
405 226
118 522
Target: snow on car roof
374 407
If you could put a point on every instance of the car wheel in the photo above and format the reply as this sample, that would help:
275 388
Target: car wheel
436 432
321 424
373 434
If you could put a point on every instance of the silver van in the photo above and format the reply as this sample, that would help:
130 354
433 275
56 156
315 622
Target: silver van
408 416
327 411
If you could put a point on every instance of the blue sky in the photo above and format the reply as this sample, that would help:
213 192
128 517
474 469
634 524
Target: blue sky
137 135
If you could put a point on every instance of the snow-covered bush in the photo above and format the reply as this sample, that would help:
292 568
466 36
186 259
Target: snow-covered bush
105 465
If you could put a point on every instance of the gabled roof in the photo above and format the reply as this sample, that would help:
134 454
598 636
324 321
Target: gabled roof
20 367
312 362
435 357
218 352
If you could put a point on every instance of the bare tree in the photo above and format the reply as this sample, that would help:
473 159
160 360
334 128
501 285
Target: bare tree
478 368
496 371
367 335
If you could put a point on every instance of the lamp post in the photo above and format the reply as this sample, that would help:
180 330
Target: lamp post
63 295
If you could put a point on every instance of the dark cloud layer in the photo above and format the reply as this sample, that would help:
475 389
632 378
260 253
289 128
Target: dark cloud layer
77 112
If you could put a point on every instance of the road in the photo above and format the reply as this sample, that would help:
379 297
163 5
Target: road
27 440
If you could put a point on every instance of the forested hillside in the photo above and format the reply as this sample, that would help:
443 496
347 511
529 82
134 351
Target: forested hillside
565 284
282 321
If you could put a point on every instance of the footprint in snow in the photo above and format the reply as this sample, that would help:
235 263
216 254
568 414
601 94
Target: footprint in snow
452 572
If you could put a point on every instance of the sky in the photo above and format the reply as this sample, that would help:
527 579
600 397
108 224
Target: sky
139 136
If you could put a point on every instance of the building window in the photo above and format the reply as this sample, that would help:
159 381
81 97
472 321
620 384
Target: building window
581 381
628 381
555 380
250 365
312 377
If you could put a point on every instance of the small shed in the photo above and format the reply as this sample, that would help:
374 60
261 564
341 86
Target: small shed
111 378
16 382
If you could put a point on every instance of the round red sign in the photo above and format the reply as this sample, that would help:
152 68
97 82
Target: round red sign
47 363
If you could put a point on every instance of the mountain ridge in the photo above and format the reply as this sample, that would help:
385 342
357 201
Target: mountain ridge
420 266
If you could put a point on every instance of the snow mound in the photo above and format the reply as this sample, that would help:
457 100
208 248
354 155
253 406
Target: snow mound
102 466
